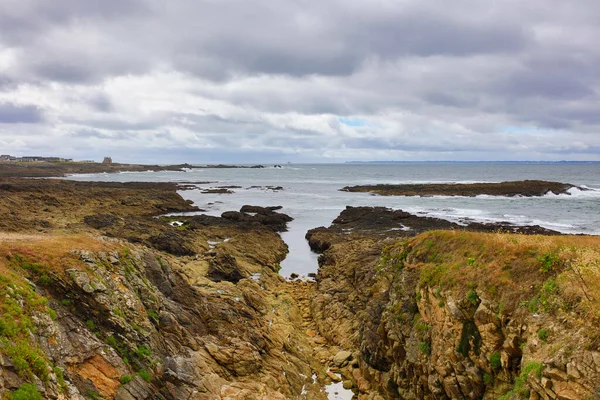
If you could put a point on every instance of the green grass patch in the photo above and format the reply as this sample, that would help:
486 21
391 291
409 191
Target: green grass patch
549 262
472 297
145 375
495 361
520 387
26 391
425 348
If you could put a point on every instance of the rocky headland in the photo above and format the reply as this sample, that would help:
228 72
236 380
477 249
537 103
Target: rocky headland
527 188
456 313
102 296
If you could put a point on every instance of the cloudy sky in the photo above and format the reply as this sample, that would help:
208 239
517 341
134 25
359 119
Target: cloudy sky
300 80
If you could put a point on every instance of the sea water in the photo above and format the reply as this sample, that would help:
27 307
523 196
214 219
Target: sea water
311 195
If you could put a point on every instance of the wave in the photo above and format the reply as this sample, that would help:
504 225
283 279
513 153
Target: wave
576 192
465 216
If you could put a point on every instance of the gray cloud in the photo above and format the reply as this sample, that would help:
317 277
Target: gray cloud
267 76
19 114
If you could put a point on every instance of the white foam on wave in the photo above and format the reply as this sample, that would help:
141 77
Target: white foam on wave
575 192
466 216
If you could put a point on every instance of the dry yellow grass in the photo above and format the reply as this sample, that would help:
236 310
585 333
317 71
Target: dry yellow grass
512 268
54 251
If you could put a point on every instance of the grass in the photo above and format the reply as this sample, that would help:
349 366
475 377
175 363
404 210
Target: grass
495 361
543 334
488 380
19 305
143 352
550 272
26 391
472 297
145 375
425 348
520 387
93 395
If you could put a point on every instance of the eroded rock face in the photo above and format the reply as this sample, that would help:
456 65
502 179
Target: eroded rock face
121 312
416 338
151 310
223 267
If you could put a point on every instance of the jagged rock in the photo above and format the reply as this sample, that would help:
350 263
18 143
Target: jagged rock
137 389
341 358
171 242
223 267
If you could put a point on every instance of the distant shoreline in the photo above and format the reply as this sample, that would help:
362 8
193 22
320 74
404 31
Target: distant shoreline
473 162
12 169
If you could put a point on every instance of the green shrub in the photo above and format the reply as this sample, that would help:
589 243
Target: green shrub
153 315
91 325
549 261
93 395
425 348
421 326
472 297
126 379
520 387
495 361
543 334
145 375
143 351
45 280
26 391
488 379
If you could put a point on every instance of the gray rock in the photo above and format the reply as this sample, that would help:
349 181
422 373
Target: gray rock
341 358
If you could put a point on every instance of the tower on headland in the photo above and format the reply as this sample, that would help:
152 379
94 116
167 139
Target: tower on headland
107 160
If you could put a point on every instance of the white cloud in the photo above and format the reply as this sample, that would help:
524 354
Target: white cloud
243 80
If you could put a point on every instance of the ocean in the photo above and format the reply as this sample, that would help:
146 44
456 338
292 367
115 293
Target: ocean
312 197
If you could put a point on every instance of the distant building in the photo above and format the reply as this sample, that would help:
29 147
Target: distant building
6 157
31 158
107 160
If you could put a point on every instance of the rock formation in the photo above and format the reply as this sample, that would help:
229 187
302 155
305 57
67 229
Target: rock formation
456 314
108 301
528 188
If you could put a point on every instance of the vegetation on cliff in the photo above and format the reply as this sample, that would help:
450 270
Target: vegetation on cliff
105 300
459 314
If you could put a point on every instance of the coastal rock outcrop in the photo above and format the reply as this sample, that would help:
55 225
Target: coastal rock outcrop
111 302
459 314
527 188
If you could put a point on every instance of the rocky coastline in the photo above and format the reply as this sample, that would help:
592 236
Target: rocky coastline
457 313
526 188
61 169
102 296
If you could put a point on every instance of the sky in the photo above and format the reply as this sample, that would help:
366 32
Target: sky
237 81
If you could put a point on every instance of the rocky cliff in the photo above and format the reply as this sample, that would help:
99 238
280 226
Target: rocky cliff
99 298
104 297
456 314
